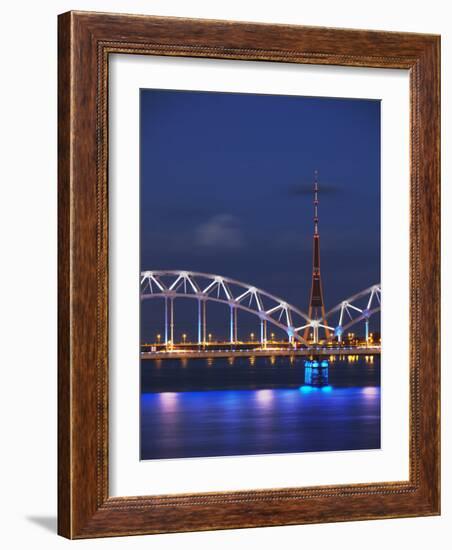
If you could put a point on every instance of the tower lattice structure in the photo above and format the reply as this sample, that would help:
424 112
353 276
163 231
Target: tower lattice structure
316 303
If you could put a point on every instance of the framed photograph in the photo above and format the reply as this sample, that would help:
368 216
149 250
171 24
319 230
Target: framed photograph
248 275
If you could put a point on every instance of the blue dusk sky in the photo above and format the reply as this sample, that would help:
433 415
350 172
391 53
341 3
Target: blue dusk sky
226 188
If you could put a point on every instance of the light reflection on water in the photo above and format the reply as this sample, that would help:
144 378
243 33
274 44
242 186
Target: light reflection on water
264 397
371 391
168 401
238 422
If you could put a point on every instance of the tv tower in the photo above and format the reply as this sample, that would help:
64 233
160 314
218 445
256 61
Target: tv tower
316 304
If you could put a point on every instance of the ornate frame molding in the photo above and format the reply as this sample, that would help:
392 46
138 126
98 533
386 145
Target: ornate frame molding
85 42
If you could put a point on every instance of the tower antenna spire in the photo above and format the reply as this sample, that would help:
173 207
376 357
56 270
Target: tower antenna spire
316 304
316 202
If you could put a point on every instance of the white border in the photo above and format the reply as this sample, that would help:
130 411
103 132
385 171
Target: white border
129 476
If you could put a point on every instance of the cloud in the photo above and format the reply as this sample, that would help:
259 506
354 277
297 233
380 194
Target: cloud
220 231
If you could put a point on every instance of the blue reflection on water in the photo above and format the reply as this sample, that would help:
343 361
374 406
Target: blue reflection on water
238 422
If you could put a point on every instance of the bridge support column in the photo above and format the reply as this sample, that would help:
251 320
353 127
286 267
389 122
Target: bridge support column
199 323
263 333
291 338
367 331
315 334
166 321
172 321
235 325
204 323
231 328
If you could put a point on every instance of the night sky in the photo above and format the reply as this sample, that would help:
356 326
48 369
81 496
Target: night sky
226 188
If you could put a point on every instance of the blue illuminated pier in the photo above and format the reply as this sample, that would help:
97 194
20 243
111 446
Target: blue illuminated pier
316 372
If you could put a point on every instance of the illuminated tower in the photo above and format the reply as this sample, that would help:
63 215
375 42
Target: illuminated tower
316 304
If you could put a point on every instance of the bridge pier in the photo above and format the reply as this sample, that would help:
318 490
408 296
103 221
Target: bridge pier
367 331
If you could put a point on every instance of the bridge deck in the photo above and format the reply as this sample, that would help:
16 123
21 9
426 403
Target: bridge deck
198 354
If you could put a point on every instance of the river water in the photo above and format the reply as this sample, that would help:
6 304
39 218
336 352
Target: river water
204 408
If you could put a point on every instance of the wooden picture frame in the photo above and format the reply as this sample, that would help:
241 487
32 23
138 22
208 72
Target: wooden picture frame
86 40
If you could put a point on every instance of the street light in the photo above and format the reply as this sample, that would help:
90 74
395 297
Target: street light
210 337
184 337
272 335
158 338
252 337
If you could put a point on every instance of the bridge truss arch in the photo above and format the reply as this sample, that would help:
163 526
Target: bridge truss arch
357 308
204 287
